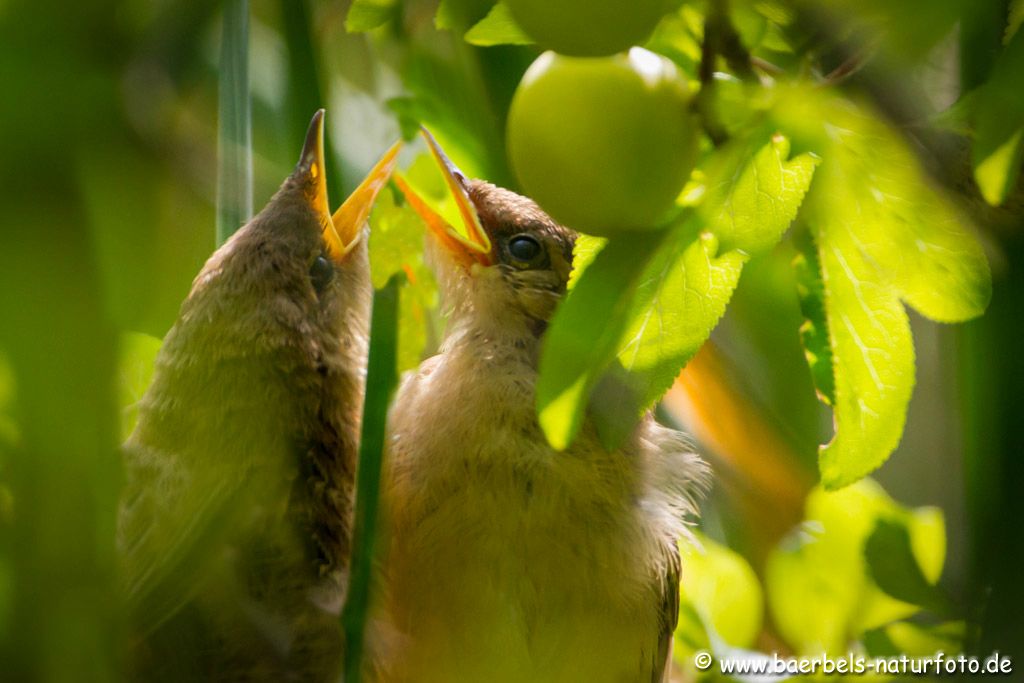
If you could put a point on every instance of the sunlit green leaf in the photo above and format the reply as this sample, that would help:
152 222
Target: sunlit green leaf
822 564
927 529
999 125
752 207
396 245
895 568
497 28
690 634
581 343
366 15
873 355
749 23
457 15
689 282
682 297
724 590
915 640
678 36
396 240
734 104
583 254
814 331
884 236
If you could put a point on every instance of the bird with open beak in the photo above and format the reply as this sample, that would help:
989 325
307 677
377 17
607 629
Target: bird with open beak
235 522
506 560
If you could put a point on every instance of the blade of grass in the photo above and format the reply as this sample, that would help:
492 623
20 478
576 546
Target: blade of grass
305 92
381 378
234 139
60 471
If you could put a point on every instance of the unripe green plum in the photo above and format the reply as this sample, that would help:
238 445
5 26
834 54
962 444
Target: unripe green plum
603 145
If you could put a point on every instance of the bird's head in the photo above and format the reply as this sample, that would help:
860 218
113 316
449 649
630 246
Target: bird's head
296 265
508 267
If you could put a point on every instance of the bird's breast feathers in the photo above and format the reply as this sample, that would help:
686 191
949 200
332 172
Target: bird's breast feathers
504 548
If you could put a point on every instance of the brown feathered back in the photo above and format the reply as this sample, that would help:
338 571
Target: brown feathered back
236 518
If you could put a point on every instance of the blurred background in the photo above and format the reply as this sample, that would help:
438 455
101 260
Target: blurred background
109 177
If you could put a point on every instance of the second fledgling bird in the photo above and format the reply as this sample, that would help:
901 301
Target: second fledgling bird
508 561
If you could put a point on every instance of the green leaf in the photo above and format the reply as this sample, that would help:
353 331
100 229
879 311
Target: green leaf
915 640
679 36
134 373
396 246
822 563
751 202
396 241
581 343
873 356
451 96
999 125
724 591
497 28
1016 18
895 568
583 254
751 209
884 236
927 529
381 379
234 139
680 300
366 15
456 15
814 335
672 306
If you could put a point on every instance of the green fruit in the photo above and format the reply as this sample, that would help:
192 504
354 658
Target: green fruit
603 145
587 28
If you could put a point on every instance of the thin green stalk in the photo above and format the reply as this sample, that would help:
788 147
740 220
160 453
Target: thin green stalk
234 140
381 378
305 87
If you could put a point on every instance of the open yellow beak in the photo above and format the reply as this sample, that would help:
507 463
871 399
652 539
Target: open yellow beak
467 247
341 232
350 217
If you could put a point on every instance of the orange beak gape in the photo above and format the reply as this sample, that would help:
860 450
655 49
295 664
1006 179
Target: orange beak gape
472 246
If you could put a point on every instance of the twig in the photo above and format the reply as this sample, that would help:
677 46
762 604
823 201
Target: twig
854 62
766 66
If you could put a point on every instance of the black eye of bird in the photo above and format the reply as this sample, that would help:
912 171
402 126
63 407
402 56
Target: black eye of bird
321 273
524 248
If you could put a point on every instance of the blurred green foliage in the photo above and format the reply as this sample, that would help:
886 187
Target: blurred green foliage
857 157
821 584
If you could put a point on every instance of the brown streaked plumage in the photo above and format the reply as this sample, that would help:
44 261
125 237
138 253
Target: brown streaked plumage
506 560
235 523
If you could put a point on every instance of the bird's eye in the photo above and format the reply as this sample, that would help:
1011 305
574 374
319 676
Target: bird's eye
524 248
321 273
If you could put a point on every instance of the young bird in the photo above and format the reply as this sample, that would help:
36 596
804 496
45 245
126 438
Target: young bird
235 523
508 561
